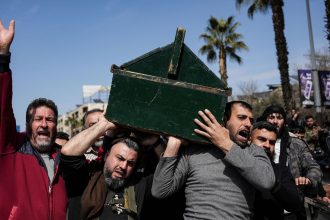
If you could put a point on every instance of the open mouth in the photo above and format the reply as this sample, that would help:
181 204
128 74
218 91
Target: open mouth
244 133
43 133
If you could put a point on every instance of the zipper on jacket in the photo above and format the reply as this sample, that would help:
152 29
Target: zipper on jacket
50 202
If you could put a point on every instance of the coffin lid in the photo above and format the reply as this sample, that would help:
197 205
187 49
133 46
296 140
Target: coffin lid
176 62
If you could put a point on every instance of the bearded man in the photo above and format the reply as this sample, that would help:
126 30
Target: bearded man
109 188
219 180
31 185
292 152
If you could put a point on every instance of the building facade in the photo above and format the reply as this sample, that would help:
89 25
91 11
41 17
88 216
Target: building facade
71 122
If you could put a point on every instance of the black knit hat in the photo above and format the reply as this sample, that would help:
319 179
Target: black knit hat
273 109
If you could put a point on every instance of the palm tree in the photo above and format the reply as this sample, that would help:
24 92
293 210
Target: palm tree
280 40
220 36
74 124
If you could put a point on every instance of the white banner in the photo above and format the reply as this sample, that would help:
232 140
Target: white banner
89 90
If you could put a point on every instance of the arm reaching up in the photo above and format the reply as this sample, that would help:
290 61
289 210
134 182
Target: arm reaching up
80 143
171 171
8 134
173 146
6 37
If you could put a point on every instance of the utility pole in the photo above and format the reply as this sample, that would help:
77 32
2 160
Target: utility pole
315 77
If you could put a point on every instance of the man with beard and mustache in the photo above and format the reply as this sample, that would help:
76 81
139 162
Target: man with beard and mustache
90 118
313 132
284 195
109 188
292 152
31 186
219 179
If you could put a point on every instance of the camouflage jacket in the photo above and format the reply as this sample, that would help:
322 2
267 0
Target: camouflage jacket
299 159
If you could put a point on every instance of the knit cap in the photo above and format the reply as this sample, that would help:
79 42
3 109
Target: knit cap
273 109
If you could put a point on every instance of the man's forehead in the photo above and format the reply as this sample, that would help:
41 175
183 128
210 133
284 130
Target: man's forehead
118 146
275 114
264 133
41 110
241 109
243 113
121 148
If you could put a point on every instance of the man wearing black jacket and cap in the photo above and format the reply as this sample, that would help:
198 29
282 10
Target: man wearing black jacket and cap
291 151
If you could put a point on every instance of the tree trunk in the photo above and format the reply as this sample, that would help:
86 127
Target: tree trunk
223 65
282 52
327 19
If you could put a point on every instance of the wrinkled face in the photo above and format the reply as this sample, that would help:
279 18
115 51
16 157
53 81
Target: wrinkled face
265 139
310 122
277 120
120 162
239 124
43 128
92 119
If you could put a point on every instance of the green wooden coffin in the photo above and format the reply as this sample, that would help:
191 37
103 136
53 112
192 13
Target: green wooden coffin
162 91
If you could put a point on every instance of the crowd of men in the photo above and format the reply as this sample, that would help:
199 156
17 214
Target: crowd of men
249 171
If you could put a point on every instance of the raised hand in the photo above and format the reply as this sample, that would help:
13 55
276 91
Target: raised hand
212 130
173 146
107 124
6 36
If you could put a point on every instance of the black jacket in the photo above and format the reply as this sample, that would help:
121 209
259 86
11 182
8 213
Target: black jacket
87 192
284 195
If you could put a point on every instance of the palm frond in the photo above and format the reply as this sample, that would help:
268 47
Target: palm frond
221 37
